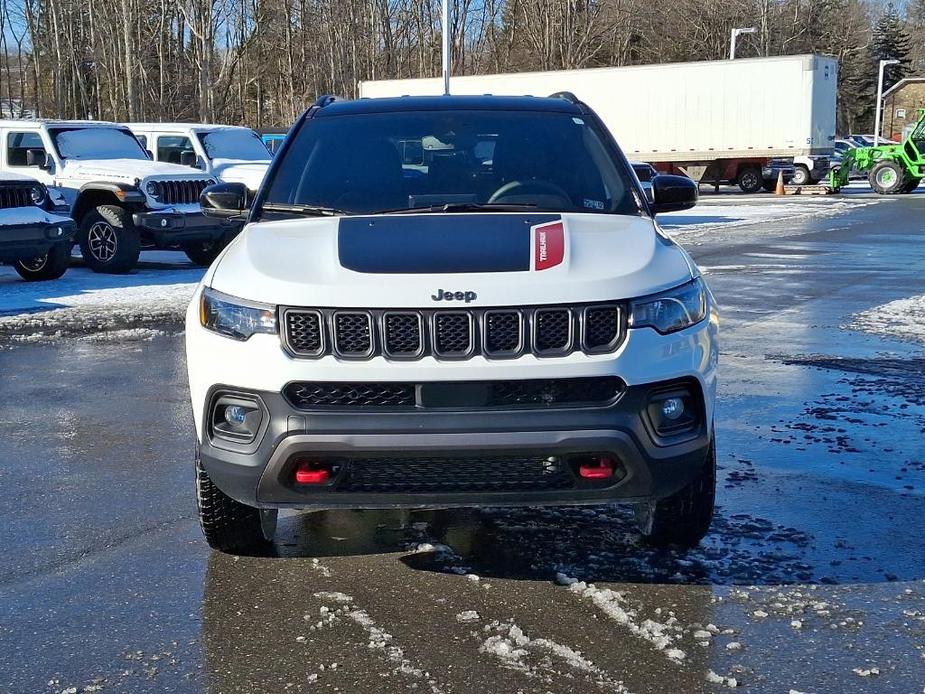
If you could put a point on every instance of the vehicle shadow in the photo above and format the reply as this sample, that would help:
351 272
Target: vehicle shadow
598 543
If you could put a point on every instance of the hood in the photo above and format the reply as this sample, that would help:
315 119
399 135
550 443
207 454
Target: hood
247 172
428 260
127 170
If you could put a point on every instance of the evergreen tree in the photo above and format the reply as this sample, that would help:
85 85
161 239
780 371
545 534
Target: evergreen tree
891 41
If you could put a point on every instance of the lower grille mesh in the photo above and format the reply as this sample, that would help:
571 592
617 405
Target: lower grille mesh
486 474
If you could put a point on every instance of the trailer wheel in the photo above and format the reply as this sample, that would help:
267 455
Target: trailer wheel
800 176
749 180
888 178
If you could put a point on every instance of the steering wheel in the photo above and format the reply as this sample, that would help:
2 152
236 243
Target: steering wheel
533 186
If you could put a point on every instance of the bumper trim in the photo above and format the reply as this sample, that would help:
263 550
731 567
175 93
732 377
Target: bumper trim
169 227
24 241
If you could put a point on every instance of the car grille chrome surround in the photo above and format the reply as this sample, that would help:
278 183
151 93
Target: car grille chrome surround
179 192
453 334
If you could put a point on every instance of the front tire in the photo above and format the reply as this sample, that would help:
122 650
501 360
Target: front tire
888 178
683 518
801 176
229 525
47 267
203 253
109 241
749 180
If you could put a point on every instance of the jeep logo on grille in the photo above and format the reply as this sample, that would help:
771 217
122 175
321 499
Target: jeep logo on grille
444 295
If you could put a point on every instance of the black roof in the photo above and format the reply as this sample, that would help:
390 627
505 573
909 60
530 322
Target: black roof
442 103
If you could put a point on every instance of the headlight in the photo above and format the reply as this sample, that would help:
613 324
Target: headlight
151 189
671 311
38 195
233 317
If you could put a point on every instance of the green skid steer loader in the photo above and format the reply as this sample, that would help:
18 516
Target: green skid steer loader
893 169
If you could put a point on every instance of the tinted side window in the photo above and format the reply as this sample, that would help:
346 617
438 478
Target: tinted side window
170 147
18 144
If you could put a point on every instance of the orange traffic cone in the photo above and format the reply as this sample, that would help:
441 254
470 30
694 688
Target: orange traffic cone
779 190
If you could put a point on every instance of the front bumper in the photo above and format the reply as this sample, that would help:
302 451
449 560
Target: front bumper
771 171
171 228
262 473
33 239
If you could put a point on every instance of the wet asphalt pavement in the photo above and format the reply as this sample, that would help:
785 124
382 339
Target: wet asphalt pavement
812 579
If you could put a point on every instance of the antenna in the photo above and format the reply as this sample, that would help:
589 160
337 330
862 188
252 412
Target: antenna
447 48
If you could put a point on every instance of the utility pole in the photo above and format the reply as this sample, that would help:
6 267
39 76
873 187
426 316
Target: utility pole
734 35
883 64
447 48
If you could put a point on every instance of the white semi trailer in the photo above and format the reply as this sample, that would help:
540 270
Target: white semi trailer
721 121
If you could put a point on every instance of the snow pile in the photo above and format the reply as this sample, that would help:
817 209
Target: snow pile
903 319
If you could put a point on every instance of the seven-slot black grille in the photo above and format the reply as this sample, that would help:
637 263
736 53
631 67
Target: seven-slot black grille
179 192
15 196
525 394
453 333
480 474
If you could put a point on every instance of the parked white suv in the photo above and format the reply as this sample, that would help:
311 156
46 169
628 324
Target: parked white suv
227 152
120 200
495 321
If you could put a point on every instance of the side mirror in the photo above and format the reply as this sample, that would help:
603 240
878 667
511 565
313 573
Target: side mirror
188 158
38 157
200 163
225 200
673 193
149 153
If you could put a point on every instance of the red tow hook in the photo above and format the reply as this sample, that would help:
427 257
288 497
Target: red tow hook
311 473
600 469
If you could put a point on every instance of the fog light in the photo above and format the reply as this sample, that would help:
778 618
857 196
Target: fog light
672 408
235 415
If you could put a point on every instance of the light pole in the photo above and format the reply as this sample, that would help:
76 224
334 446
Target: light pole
883 64
734 35
447 50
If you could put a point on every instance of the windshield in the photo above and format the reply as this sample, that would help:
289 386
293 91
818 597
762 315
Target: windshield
355 164
242 145
96 143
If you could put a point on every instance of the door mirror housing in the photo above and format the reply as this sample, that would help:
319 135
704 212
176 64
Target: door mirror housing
673 193
38 157
188 158
225 201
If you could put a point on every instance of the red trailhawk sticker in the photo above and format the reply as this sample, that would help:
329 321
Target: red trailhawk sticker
548 245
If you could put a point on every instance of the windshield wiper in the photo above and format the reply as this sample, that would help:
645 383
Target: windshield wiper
307 210
464 207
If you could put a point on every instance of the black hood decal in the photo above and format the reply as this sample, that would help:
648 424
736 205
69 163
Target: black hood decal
438 243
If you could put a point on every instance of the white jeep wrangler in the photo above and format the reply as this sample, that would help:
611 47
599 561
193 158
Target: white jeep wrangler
120 200
230 153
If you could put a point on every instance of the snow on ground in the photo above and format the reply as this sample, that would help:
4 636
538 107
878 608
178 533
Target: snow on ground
727 212
903 319
85 302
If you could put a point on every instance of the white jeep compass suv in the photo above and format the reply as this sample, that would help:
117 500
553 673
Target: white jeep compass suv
452 301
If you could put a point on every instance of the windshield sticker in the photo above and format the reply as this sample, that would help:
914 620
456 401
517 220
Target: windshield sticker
593 204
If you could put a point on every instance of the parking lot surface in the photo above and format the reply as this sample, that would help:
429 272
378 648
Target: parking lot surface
812 579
